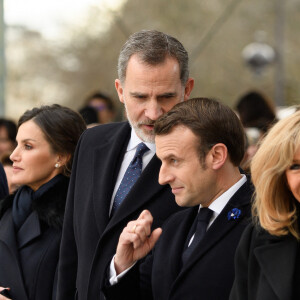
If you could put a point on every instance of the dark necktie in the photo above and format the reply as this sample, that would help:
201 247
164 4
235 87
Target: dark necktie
131 175
202 220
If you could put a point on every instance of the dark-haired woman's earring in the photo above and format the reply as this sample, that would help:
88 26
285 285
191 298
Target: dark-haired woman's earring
57 165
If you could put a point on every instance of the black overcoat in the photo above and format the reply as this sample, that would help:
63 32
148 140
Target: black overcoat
265 266
29 258
208 274
90 237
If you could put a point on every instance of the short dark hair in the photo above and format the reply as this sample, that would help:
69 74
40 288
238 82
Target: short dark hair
211 121
99 95
61 126
10 127
256 110
152 47
89 115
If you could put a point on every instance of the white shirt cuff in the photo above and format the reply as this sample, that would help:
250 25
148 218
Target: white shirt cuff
113 277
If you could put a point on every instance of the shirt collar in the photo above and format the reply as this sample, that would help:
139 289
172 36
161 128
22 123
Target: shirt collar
218 205
135 140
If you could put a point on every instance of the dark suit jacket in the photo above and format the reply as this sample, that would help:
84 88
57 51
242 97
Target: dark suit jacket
89 236
265 266
29 258
208 274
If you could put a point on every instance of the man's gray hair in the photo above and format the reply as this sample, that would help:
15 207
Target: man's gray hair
153 47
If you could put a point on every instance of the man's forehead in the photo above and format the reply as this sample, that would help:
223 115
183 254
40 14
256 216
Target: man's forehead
135 63
180 138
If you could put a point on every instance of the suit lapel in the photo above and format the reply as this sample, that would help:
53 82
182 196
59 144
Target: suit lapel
147 185
7 233
222 225
177 241
8 237
277 262
30 230
106 164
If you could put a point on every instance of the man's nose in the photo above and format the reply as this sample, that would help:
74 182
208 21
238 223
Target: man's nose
165 176
153 110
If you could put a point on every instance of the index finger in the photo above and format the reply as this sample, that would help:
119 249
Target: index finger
146 215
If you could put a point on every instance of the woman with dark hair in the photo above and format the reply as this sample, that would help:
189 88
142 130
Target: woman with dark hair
257 114
268 257
31 219
8 132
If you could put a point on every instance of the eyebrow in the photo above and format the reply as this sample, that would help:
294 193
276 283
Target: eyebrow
168 156
168 94
27 140
137 94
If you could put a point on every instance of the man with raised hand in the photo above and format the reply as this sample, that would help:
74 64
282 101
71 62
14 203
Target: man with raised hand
200 143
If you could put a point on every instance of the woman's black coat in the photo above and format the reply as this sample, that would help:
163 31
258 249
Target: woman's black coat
29 258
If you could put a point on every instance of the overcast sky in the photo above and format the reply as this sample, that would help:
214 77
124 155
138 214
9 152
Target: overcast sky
47 16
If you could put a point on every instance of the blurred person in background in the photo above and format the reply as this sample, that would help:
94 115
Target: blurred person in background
267 263
31 219
104 105
3 183
90 116
8 132
257 114
8 168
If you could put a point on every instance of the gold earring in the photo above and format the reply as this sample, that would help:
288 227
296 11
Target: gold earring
57 165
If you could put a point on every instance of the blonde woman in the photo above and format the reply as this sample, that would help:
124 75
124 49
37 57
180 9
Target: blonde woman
268 257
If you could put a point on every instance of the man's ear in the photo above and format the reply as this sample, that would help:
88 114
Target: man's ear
119 88
219 154
188 88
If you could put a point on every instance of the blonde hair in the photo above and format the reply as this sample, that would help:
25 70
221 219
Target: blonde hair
273 204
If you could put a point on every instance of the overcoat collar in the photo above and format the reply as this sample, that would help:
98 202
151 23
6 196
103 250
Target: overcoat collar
176 242
49 207
7 233
30 230
107 159
8 237
276 256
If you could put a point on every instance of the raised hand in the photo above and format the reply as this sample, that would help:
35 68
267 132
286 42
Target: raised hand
136 241
3 292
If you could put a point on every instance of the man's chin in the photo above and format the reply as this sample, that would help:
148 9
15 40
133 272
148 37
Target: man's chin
147 137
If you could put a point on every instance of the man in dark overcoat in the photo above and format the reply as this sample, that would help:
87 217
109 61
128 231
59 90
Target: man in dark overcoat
200 143
115 170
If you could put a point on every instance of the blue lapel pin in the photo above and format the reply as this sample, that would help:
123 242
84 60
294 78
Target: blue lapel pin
233 214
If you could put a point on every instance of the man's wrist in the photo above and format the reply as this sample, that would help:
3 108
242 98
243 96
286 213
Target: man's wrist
113 276
120 267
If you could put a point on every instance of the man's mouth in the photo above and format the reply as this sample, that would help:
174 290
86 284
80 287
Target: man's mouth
176 190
